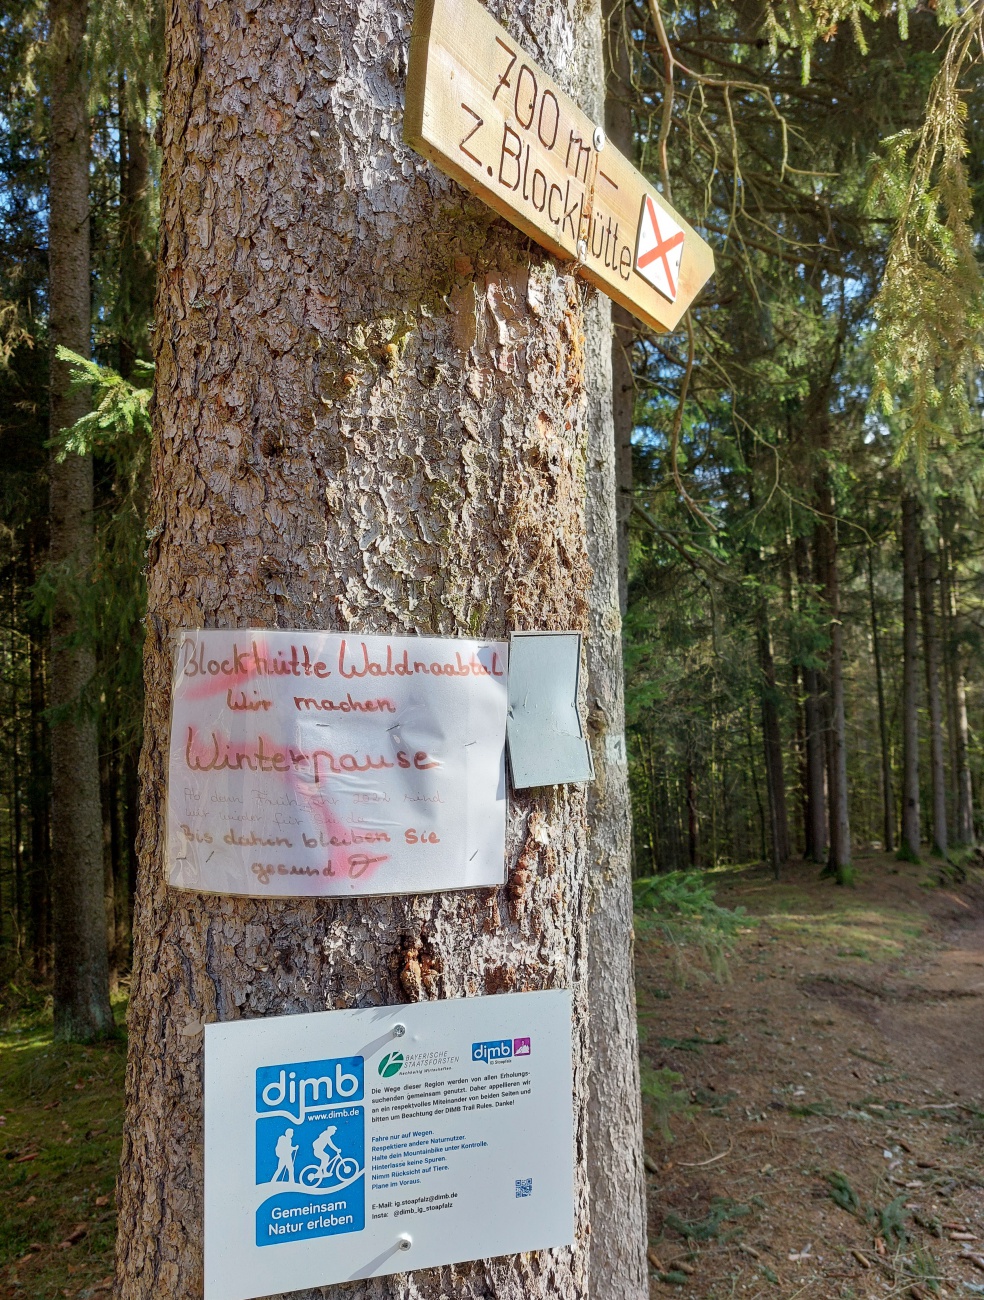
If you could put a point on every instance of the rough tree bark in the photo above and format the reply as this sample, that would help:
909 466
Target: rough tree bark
81 985
910 837
888 799
839 861
928 585
617 1268
370 414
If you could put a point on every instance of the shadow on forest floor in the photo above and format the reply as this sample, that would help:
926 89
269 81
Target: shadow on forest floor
815 1124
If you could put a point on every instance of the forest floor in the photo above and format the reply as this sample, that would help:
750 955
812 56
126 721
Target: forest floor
841 1064
827 1118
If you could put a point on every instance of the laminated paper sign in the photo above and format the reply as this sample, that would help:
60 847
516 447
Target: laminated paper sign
315 763
352 1144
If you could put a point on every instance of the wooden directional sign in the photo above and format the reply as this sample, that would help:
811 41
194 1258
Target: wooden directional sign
485 113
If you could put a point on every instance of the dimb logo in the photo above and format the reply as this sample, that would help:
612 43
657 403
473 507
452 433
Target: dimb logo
392 1063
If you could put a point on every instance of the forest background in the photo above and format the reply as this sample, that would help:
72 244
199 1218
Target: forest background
799 467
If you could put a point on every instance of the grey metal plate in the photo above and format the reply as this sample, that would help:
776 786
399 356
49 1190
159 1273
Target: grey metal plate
546 741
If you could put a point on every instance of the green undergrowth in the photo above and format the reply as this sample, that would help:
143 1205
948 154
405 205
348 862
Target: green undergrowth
678 907
62 1110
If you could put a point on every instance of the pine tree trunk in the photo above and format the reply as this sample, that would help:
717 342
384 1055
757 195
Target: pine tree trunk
965 790
957 687
616 1178
909 841
81 988
618 125
839 861
888 800
39 787
136 284
815 816
617 1268
928 583
775 779
371 414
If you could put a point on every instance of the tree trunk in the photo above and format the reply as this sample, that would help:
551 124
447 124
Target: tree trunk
911 835
839 861
928 583
370 414
616 1178
888 799
964 818
39 791
81 988
693 819
618 125
136 285
617 1268
815 816
775 778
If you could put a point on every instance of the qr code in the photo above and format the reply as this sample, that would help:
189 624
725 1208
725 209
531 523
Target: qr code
524 1186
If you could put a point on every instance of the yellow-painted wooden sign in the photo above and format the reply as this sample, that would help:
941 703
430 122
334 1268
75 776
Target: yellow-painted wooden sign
486 114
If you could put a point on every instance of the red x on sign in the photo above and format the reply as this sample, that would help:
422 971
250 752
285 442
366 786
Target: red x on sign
659 249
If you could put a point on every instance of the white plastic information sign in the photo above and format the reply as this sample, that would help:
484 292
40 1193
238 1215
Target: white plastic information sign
352 1144
319 763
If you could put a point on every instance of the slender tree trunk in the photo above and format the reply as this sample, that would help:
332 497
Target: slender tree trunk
965 790
763 838
618 125
813 725
693 818
775 778
888 799
617 1267
136 286
839 861
81 991
910 839
370 414
959 729
928 584
39 791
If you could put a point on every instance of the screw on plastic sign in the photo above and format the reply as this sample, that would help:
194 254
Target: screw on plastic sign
659 249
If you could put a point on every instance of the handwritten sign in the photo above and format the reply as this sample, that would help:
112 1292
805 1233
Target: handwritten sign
480 109
353 1144
310 763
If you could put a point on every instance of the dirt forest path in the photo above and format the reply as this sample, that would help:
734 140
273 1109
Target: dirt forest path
828 1130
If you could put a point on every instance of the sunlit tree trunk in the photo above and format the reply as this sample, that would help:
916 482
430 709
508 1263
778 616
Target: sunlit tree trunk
371 413
81 988
928 585
910 838
617 1268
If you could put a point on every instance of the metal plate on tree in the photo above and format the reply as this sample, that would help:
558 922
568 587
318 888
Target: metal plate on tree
546 741
353 1144
483 112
